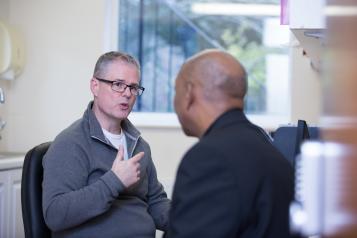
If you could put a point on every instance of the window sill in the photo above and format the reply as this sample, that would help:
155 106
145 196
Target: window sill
170 120
154 119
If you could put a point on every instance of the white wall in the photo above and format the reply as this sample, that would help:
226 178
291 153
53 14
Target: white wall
306 89
4 9
168 145
4 14
63 40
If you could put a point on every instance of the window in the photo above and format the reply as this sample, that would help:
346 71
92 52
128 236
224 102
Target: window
163 33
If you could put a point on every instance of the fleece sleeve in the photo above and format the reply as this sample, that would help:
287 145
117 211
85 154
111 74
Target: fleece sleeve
68 200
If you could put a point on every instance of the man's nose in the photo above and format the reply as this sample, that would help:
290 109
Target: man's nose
127 92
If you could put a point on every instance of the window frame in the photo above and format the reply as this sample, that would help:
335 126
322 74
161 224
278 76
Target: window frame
170 119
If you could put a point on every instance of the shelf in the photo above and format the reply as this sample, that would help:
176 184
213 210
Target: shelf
313 43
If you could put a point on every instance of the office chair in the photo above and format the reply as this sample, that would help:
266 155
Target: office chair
288 139
31 193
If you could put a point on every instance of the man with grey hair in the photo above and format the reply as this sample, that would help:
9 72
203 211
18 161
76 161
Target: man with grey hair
233 182
99 177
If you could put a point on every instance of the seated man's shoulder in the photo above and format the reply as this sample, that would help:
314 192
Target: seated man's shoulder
68 139
76 129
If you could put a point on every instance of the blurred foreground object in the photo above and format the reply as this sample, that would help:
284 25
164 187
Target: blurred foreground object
328 202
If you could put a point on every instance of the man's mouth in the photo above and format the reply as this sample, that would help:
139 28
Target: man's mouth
124 106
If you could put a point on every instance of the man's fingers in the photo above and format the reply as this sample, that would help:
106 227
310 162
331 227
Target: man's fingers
137 157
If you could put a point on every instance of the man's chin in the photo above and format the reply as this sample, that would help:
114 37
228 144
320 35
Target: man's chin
122 115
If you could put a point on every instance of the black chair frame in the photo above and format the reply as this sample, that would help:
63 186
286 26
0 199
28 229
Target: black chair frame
31 193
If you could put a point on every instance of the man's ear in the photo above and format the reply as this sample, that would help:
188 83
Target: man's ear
94 86
189 95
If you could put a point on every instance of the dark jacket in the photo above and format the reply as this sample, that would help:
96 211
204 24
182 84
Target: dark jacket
82 197
232 183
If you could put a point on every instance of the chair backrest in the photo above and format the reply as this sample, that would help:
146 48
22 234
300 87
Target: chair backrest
31 193
287 139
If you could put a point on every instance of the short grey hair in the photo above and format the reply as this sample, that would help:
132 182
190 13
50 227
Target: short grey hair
112 56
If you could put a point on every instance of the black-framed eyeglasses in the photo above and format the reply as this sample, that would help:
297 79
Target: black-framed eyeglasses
120 87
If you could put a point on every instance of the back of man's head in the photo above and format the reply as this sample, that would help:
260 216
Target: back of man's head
209 84
220 75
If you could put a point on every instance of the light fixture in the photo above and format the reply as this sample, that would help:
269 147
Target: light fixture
236 9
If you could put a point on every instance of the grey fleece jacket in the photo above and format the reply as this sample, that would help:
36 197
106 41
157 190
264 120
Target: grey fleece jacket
82 197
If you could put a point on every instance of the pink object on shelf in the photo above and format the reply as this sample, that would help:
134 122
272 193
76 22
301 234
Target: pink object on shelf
284 12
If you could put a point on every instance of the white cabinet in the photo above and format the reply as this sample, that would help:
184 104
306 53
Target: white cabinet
3 213
11 225
307 14
307 22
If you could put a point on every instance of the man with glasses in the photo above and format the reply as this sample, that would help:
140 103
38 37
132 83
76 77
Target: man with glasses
99 177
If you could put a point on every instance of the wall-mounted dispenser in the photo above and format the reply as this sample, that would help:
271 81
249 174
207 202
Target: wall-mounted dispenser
11 52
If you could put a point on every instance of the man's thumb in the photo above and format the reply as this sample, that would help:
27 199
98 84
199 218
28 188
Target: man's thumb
120 154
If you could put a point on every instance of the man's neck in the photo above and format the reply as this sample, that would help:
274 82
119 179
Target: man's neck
112 126
210 114
113 129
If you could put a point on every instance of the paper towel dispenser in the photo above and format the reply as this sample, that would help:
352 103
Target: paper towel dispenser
11 52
